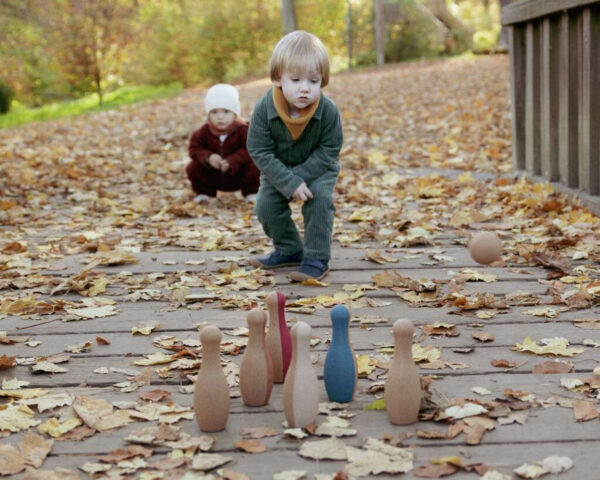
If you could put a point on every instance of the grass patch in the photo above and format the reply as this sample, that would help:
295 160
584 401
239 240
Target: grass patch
20 114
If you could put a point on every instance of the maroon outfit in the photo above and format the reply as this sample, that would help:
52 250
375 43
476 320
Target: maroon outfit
242 174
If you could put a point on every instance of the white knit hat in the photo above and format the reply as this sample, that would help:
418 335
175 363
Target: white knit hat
222 95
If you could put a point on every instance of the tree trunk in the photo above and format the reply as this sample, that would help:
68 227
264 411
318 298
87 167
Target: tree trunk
288 15
349 27
379 32
440 10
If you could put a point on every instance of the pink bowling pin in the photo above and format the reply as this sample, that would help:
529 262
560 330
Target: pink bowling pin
301 387
211 394
256 371
403 387
279 343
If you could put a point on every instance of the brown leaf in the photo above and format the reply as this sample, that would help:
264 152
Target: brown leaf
435 471
168 464
124 453
6 362
585 411
11 460
552 367
102 341
501 363
483 336
587 323
430 434
155 395
77 434
258 432
35 449
251 446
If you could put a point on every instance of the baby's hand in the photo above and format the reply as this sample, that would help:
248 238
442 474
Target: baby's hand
215 161
225 166
302 193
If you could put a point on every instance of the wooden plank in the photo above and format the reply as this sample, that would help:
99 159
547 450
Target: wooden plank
122 340
504 458
517 93
554 424
568 144
527 10
589 101
549 98
478 363
532 100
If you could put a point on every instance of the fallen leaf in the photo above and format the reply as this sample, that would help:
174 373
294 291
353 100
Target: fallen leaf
330 449
258 432
585 411
435 471
501 363
483 336
250 446
35 449
552 367
11 460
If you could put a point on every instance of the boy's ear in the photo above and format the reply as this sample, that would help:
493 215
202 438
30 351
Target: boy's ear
277 83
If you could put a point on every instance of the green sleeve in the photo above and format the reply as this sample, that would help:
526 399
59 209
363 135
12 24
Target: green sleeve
325 157
261 147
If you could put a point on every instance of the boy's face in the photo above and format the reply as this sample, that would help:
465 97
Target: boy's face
221 118
300 89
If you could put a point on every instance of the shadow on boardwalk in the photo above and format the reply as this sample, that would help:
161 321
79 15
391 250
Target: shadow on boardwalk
97 215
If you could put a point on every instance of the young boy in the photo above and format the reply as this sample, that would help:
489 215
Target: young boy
220 160
295 138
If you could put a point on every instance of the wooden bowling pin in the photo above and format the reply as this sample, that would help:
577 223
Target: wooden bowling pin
256 371
211 394
341 373
301 387
403 387
279 343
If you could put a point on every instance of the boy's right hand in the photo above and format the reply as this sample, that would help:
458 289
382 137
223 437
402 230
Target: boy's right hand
215 161
302 193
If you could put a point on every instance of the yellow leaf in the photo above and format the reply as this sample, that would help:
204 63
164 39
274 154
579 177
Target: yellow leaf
425 354
313 282
55 429
364 364
453 460
145 328
552 346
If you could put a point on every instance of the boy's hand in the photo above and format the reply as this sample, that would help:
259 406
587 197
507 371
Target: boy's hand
225 166
302 193
215 161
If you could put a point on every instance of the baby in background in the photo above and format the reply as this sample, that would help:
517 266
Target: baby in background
220 161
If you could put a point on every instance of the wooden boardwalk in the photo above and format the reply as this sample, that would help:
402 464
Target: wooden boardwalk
192 269
549 430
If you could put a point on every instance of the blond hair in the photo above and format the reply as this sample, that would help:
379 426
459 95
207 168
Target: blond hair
300 51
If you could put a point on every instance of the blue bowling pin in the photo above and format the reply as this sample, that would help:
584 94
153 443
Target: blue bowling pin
340 373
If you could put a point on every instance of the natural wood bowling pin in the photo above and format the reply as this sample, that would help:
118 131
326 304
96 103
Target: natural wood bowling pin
278 338
211 394
301 387
403 387
256 371
341 373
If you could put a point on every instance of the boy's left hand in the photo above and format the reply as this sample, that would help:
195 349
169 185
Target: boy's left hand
225 166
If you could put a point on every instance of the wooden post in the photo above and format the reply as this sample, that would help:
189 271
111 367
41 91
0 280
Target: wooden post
516 38
379 32
549 98
589 101
568 129
532 99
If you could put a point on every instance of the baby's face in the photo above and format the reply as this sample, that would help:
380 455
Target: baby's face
221 118
300 89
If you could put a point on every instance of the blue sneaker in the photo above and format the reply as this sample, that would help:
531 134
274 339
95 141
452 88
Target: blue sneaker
310 269
276 259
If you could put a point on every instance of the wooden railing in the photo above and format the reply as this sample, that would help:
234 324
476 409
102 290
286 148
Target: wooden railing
555 90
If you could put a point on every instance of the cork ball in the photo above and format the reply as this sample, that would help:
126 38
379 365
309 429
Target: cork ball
485 248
